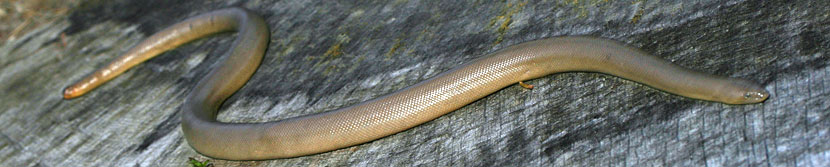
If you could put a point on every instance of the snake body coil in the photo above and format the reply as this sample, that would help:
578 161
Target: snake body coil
400 110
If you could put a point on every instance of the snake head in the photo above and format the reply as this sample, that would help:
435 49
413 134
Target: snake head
745 92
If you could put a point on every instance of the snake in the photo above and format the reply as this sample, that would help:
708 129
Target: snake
399 110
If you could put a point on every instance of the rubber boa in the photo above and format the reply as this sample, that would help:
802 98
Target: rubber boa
398 111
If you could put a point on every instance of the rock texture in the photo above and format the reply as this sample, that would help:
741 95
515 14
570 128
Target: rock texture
331 54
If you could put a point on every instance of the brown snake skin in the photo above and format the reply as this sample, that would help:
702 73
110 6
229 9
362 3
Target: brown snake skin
397 111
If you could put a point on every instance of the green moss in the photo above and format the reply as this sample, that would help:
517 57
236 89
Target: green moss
394 48
196 163
334 51
505 19
640 11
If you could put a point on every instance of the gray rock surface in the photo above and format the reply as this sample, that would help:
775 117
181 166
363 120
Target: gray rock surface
327 55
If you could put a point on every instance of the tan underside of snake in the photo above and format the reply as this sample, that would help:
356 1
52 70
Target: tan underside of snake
394 112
